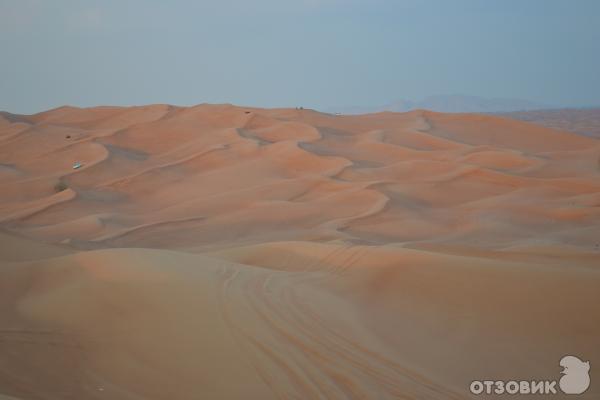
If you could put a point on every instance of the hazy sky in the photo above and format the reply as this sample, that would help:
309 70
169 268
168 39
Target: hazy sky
314 53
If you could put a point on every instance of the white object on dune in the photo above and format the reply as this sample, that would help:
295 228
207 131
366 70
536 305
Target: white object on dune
77 165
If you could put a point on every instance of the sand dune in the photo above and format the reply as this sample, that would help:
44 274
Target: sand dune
224 252
585 121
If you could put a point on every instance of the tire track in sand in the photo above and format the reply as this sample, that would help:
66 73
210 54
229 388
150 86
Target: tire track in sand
288 336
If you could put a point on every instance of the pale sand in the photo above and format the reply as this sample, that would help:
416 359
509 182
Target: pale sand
221 252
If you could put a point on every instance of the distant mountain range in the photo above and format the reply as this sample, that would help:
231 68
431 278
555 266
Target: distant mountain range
450 104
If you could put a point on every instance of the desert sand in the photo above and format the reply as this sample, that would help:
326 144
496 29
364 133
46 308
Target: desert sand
223 252
585 121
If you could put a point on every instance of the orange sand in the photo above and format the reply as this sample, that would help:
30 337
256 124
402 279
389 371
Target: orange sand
221 252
